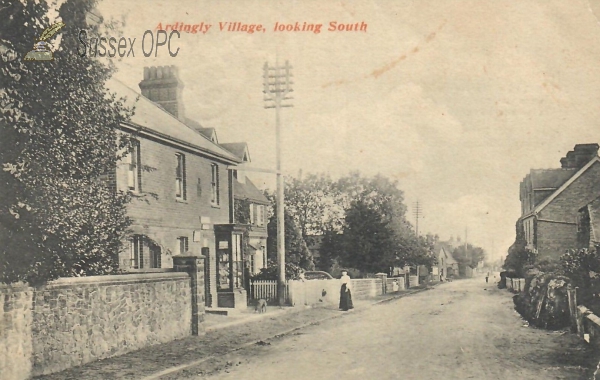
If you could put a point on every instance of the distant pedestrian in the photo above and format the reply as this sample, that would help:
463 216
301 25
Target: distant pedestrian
395 286
345 292
487 276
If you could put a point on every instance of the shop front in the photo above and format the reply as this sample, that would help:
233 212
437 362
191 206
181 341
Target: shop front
230 266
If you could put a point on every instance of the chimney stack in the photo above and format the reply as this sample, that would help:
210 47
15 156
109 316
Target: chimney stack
579 156
161 85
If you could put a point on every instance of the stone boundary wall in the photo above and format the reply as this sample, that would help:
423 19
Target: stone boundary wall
16 348
312 292
73 321
366 288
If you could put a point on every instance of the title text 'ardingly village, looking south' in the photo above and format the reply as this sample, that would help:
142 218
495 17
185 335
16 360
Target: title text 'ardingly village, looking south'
205 27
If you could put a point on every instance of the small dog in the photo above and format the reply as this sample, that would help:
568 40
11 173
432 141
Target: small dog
261 306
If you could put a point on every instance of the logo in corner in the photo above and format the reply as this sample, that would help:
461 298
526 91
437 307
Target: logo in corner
41 50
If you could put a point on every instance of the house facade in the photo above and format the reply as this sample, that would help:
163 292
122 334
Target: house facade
250 210
182 187
446 265
551 200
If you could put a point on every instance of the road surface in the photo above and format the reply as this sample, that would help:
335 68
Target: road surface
465 329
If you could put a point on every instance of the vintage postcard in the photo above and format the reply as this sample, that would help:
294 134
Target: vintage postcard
299 189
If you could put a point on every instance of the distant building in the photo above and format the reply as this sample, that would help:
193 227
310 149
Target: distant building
446 265
551 200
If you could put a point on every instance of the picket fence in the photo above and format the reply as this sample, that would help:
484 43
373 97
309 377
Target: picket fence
267 290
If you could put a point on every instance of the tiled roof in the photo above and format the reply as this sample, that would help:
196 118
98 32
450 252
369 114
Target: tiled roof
567 183
206 132
239 149
249 191
550 178
154 118
446 246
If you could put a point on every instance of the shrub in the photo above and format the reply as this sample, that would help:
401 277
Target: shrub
292 272
544 301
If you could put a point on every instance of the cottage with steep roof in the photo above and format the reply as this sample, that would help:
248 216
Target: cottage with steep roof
551 200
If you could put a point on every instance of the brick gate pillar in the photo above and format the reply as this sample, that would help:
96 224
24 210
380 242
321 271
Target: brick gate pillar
194 265
383 278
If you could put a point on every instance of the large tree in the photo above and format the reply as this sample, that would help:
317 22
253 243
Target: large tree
310 199
376 233
296 250
58 138
469 256
368 241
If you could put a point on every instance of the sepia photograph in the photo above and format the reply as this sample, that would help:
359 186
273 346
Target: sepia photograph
377 189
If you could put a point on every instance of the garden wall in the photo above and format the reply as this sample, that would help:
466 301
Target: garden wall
16 348
73 321
366 288
328 291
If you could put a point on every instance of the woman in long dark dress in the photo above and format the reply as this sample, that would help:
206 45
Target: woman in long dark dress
345 292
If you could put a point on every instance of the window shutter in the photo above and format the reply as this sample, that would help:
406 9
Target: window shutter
139 166
132 253
251 221
183 175
140 240
218 198
261 215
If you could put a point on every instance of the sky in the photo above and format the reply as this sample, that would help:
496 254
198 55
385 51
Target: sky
456 100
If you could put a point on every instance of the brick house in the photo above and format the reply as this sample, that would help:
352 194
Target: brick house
551 200
181 180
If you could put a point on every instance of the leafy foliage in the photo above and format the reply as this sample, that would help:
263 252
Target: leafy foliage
468 256
311 202
368 240
241 210
57 140
359 221
544 302
519 258
296 250
581 266
292 271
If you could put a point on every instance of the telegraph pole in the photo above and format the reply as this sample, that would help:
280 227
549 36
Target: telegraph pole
276 89
417 212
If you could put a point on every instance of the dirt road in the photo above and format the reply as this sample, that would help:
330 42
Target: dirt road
465 329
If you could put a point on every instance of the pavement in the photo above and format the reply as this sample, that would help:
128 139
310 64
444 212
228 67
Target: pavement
224 335
465 329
